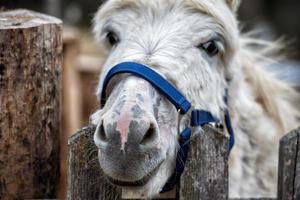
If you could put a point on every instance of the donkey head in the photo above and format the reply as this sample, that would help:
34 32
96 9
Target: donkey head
190 43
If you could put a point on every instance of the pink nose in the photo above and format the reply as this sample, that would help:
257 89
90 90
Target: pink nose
130 120
128 146
132 127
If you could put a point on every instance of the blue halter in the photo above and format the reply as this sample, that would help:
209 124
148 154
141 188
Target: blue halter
198 117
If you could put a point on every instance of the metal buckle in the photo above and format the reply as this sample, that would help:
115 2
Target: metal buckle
179 118
216 126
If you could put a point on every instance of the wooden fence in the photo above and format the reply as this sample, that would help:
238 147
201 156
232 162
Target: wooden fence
30 60
205 176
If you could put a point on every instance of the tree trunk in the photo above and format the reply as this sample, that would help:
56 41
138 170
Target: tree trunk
30 61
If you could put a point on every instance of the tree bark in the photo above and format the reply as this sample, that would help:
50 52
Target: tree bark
30 62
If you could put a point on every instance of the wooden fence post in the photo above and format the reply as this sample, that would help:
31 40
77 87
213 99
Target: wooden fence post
289 167
85 179
206 169
30 61
71 103
206 173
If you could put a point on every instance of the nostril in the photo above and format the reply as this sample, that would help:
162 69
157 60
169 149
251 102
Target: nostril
102 134
149 136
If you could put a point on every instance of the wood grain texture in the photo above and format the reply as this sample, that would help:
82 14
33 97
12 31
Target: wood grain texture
254 199
205 176
289 167
297 170
85 178
30 61
206 173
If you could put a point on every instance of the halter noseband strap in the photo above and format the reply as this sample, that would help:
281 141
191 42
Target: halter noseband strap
198 117
177 99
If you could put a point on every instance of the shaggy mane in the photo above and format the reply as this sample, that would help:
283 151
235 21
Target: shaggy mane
277 98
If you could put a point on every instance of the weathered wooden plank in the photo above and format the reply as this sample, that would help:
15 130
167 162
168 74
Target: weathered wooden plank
289 167
167 195
297 170
254 199
85 178
206 173
30 62
206 170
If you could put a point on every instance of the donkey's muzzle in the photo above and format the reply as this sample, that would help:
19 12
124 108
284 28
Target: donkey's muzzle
140 136
130 161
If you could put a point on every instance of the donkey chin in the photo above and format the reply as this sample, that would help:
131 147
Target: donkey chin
140 170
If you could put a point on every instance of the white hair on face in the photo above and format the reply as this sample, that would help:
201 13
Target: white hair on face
162 34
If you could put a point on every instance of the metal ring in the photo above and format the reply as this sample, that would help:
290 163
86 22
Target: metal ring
216 126
179 117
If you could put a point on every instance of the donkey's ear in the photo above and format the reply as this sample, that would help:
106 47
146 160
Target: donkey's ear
233 4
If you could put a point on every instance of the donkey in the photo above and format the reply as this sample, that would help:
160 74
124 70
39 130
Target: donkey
195 45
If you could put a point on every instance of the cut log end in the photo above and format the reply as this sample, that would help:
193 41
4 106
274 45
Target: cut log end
22 18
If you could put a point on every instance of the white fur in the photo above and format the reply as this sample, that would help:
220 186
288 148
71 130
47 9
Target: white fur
164 34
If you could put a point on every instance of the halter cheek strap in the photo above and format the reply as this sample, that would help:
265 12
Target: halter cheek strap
198 117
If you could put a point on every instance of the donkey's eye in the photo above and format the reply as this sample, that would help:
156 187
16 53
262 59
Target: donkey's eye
112 38
211 48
